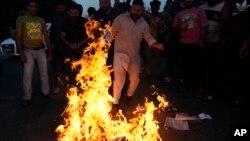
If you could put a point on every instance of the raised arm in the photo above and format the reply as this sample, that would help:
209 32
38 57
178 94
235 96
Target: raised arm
19 39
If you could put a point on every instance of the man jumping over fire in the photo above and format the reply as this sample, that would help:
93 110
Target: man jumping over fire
128 31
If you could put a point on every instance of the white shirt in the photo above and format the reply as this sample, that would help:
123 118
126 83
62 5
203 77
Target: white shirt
129 34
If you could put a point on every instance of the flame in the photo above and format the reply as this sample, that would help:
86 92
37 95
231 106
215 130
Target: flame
87 116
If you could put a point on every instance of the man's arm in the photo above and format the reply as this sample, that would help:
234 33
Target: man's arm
20 45
158 46
66 42
47 41
19 41
151 40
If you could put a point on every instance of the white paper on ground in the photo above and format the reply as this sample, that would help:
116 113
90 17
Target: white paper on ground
176 124
203 116
185 117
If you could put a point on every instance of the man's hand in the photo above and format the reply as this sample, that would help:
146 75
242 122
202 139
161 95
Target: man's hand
158 46
49 57
243 51
23 58
245 48
74 46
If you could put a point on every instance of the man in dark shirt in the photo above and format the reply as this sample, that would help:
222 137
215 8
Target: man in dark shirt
55 37
105 13
73 34
236 33
74 38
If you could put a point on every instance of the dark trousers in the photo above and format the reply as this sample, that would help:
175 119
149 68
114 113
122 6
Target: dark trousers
171 61
212 66
236 72
192 65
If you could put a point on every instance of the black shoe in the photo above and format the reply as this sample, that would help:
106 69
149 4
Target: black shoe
47 96
26 103
115 109
128 100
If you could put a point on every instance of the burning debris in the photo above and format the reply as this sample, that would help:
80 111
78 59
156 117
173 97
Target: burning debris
87 115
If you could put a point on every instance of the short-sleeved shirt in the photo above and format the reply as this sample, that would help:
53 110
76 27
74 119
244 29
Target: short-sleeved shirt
74 29
75 32
32 29
195 18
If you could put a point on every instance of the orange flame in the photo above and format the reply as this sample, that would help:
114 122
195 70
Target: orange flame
86 117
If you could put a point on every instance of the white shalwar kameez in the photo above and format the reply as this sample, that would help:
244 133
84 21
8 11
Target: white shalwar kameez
128 35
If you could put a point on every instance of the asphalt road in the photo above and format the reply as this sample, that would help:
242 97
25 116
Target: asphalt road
39 121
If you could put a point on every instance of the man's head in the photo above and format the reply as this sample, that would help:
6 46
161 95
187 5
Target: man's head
60 9
136 9
80 9
105 4
155 6
32 7
188 3
91 11
74 11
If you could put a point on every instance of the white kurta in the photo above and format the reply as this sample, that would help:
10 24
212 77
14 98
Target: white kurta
128 36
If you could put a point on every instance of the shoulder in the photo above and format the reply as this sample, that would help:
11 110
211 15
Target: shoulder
199 10
21 18
115 12
40 19
143 21
98 13
204 6
84 19
121 17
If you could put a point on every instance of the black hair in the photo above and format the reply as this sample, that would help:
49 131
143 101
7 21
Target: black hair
58 3
138 2
91 10
73 6
155 3
80 8
30 1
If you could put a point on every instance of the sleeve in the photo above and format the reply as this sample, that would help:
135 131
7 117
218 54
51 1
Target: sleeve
147 36
19 23
44 24
202 18
176 21
115 26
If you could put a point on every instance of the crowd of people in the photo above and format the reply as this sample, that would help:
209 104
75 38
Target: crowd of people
203 44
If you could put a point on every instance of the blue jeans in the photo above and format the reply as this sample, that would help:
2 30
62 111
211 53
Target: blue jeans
40 57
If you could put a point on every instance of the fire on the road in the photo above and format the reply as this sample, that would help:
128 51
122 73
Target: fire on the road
87 116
